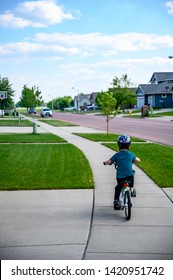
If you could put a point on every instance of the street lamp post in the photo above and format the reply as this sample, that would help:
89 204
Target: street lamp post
77 98
52 102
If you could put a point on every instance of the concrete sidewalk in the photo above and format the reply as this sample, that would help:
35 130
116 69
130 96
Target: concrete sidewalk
81 224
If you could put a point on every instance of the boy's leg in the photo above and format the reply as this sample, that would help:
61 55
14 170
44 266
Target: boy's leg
131 180
117 192
133 191
116 196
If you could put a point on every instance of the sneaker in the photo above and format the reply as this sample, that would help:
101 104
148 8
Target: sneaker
133 192
116 205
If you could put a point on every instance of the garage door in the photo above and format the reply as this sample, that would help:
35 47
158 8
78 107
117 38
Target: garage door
140 102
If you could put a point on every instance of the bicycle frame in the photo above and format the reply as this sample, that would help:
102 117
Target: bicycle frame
125 199
122 194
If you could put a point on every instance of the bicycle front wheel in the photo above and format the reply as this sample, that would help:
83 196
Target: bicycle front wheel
128 205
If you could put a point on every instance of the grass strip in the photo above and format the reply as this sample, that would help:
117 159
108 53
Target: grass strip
161 114
15 122
30 138
156 161
33 166
103 137
57 123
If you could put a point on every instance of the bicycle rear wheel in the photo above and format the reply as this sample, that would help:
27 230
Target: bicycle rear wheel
128 205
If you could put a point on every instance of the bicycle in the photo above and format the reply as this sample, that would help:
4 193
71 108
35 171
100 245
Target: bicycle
125 198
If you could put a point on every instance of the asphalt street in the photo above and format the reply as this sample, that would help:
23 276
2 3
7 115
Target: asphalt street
152 129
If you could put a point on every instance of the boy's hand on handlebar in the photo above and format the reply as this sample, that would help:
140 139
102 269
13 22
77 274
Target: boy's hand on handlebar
107 162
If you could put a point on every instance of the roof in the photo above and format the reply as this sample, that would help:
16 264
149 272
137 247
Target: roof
133 89
94 95
165 87
161 77
80 97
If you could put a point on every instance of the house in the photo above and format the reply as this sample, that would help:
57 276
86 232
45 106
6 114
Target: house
83 100
93 98
159 93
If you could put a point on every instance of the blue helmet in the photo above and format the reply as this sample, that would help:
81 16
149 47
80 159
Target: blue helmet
124 141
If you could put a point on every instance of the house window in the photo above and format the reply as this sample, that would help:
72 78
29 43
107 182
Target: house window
164 95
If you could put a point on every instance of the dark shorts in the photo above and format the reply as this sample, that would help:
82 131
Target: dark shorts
129 178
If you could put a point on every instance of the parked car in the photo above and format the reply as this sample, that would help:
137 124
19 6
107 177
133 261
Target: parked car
46 112
92 107
7 112
32 111
69 109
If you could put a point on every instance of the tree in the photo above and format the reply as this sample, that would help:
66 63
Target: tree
108 104
64 102
38 97
8 102
122 93
30 97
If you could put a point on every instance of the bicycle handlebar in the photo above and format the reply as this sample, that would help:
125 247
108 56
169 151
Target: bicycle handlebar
113 163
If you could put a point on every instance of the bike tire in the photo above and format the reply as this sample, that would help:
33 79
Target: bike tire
128 205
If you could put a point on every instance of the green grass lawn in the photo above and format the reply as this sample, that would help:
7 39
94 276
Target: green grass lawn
156 161
103 137
46 166
154 115
161 114
30 138
63 166
15 122
57 122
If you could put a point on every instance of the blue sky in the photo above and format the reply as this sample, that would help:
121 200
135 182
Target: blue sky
60 44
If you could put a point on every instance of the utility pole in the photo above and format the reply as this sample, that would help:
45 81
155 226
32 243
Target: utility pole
78 107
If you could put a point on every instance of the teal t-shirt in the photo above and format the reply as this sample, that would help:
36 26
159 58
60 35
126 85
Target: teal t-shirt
123 160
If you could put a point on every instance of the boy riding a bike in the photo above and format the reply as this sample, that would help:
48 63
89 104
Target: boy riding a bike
123 161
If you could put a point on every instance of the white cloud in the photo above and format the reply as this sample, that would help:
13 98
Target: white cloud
44 10
35 14
9 20
86 45
117 42
59 79
169 5
27 51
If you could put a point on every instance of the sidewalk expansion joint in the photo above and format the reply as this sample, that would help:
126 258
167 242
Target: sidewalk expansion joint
43 245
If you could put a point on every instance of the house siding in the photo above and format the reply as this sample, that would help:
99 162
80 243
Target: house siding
163 102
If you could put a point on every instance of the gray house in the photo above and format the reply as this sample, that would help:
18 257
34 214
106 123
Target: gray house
83 100
159 93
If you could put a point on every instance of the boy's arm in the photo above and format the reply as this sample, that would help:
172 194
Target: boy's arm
111 160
